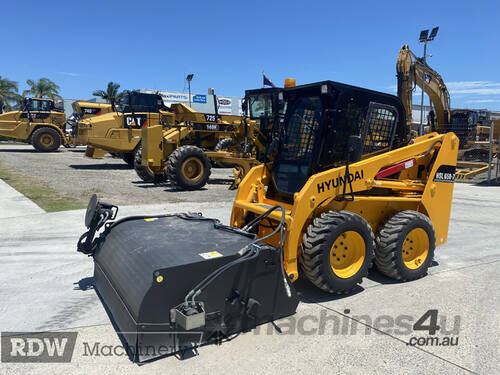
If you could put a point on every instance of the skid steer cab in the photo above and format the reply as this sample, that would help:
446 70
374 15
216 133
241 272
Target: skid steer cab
354 189
40 122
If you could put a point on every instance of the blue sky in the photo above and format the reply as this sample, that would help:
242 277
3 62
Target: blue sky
226 44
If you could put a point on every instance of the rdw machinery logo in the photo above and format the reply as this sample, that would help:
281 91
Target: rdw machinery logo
38 346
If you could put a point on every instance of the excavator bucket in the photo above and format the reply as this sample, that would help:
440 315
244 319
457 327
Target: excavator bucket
145 268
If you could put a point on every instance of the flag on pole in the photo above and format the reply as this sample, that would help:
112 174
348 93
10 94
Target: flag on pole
267 81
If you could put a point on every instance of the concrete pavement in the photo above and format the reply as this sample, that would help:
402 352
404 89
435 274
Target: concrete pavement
45 285
13 203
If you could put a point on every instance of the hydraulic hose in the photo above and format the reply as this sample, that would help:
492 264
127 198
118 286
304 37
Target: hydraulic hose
247 253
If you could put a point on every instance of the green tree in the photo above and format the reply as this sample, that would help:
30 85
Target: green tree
111 92
8 93
42 88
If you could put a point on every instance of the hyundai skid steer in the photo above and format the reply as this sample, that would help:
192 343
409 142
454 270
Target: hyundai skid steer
345 187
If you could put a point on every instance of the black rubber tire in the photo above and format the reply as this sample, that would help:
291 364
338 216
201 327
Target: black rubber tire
144 173
174 168
389 245
39 133
222 145
129 157
318 241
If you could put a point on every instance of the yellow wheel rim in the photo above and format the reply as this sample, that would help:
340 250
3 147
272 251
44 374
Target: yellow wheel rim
415 248
192 168
47 140
347 254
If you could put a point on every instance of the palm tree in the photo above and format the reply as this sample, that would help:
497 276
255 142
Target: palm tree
8 93
111 92
44 87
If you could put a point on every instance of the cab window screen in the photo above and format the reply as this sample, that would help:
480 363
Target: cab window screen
379 128
295 156
348 122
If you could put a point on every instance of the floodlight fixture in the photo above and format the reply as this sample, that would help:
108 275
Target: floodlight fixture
433 33
423 36
189 78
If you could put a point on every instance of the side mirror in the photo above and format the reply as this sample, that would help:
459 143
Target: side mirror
244 106
355 147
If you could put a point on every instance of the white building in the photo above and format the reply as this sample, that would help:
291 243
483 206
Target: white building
227 105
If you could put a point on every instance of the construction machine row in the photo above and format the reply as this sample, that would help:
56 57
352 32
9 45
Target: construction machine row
342 186
179 145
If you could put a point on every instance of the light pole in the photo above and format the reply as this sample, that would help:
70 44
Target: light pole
189 78
424 38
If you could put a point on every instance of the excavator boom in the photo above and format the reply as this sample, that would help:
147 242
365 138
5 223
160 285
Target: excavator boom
410 72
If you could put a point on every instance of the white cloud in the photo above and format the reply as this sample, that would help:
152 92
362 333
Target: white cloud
483 101
465 87
461 92
474 87
70 74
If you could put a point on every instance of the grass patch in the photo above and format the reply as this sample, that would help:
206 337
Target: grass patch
47 198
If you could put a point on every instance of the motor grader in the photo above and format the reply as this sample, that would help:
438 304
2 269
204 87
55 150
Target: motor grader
40 123
175 154
120 132
346 187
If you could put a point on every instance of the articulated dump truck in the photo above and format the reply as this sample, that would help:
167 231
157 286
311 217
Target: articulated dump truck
83 110
346 188
40 123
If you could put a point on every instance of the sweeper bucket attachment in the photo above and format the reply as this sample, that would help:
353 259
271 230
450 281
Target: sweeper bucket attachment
173 282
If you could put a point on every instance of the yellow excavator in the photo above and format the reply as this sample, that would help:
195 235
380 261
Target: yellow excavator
463 122
346 187
409 69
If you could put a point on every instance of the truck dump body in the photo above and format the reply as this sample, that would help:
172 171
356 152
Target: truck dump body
146 266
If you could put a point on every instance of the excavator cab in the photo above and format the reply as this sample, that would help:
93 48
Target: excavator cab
463 123
319 123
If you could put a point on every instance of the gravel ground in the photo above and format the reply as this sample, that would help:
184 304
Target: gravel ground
69 171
